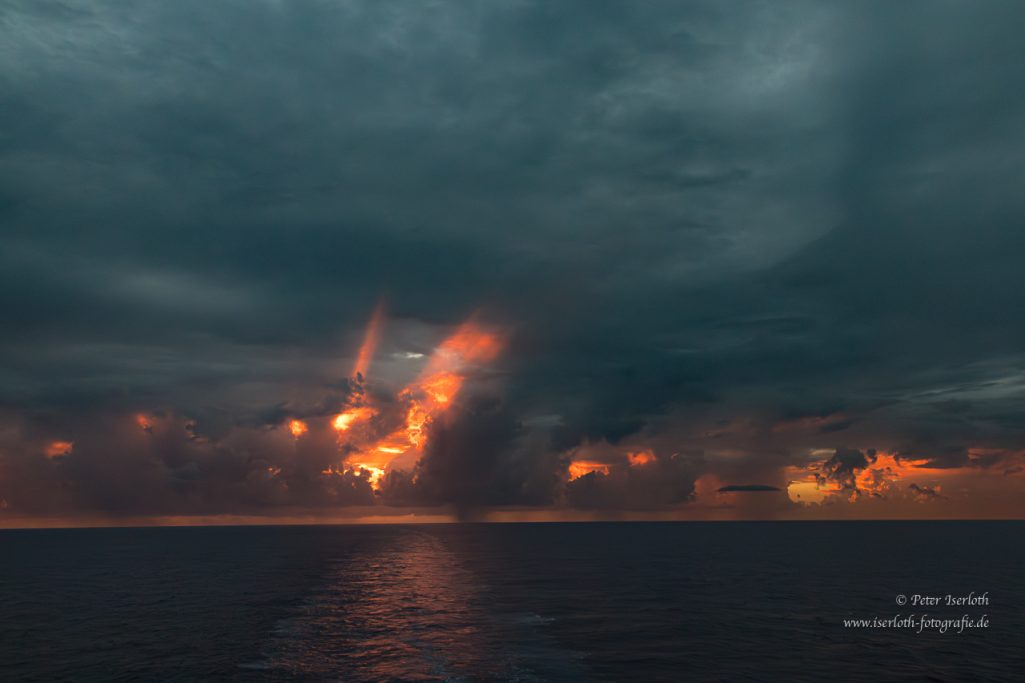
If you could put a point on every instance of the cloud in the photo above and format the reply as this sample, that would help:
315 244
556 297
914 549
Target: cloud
664 482
738 231
924 493
160 464
843 467
747 488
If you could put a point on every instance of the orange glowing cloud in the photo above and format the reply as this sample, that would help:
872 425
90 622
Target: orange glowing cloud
428 396
373 474
580 468
370 340
440 388
469 344
345 420
443 378
297 428
640 458
603 458
57 449
433 392
887 475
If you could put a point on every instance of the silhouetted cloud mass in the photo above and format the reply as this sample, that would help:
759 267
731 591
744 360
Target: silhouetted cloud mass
749 488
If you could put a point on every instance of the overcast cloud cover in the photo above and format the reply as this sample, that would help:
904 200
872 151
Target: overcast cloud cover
745 237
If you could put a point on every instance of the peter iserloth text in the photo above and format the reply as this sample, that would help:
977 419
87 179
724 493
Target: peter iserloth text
969 600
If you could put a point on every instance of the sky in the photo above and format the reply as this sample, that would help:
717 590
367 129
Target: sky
332 260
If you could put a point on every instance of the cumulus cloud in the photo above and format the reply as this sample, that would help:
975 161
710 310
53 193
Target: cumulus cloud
843 468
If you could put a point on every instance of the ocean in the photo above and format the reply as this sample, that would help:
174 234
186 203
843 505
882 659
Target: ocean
758 601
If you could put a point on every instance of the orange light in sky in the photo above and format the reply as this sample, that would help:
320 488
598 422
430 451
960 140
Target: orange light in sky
416 421
444 375
805 492
641 458
881 478
297 427
442 386
579 468
373 334
427 397
58 448
373 473
469 344
345 420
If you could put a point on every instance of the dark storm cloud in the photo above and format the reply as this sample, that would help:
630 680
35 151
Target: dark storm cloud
924 492
776 222
662 483
843 467
747 488
477 456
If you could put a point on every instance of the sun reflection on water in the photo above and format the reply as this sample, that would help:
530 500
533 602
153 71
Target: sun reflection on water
404 611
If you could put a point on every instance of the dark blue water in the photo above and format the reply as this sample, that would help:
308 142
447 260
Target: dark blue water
515 602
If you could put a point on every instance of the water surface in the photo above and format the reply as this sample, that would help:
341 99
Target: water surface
509 602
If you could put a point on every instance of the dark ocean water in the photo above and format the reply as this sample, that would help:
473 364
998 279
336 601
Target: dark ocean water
513 602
